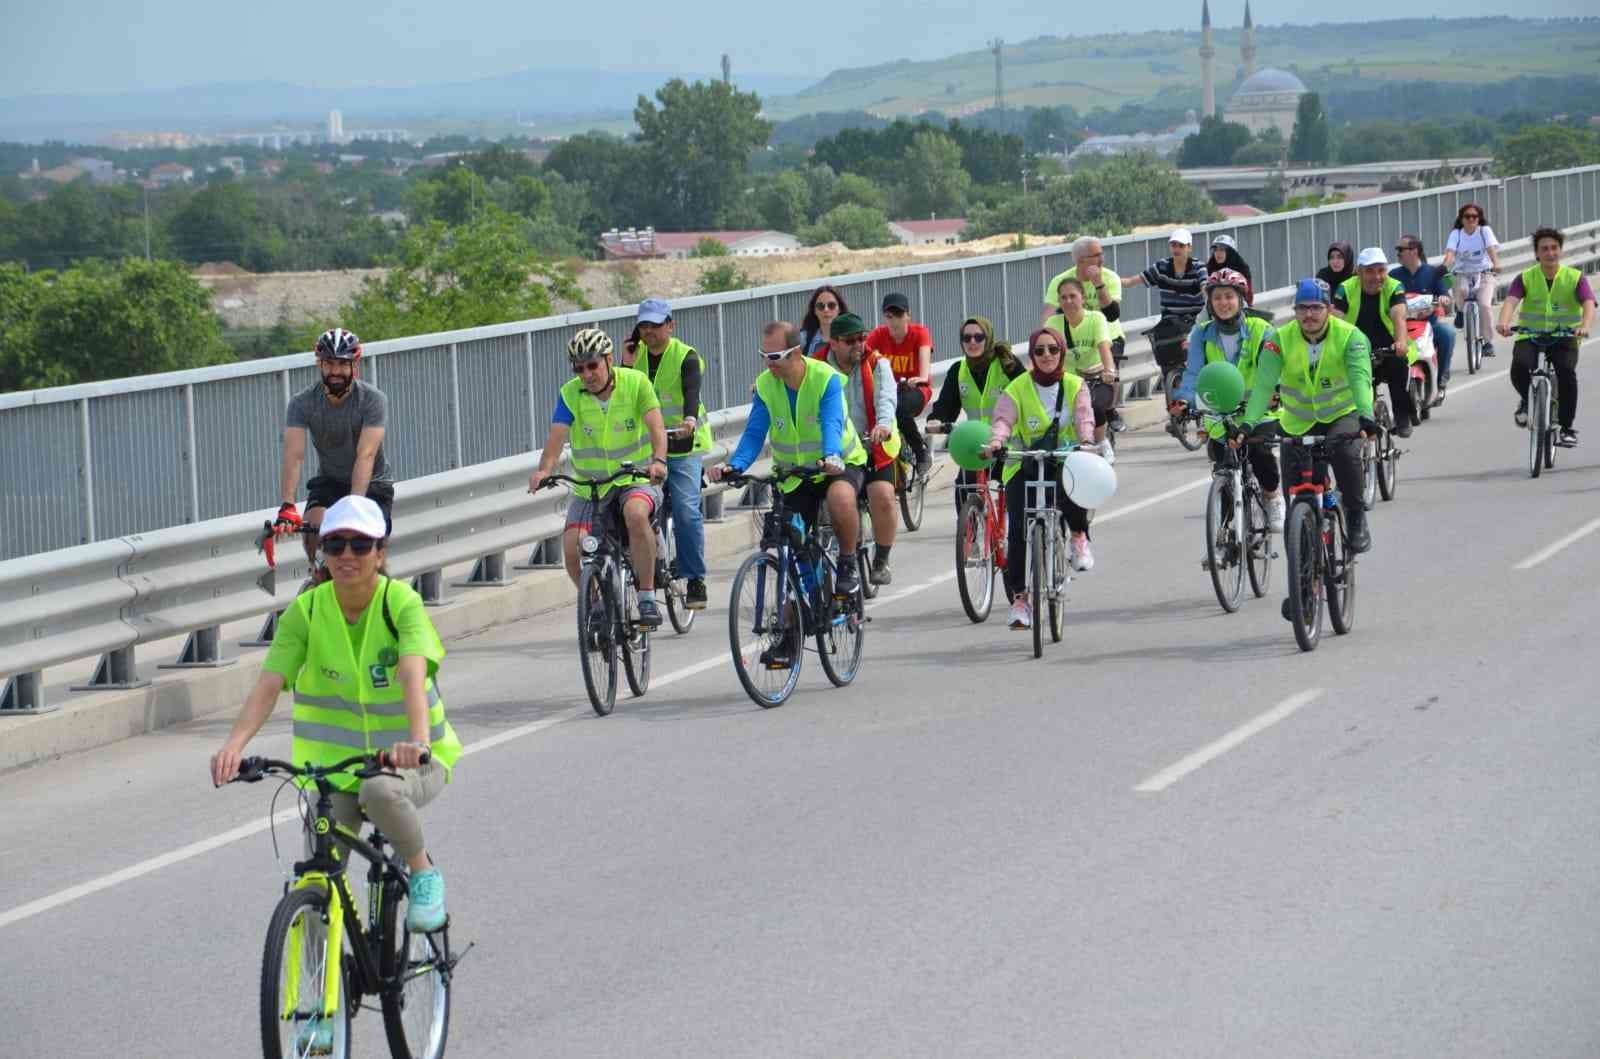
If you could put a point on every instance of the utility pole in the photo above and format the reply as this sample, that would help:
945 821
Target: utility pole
996 46
146 221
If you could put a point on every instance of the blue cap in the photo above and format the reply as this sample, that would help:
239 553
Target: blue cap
654 311
1311 292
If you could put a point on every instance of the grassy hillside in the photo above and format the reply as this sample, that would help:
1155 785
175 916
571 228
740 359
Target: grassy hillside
1093 71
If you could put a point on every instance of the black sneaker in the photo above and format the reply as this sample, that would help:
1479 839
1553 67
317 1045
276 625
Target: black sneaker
881 574
649 614
776 656
1568 439
695 594
849 580
924 462
1360 539
1488 348
1520 416
1402 429
1286 610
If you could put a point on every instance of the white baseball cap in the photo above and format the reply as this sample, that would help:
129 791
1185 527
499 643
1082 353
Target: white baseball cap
1181 235
1372 255
355 514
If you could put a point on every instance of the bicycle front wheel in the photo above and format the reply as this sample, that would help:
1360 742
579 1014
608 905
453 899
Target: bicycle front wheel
1257 542
1369 473
1058 588
295 972
1538 424
1339 575
597 638
1388 459
1302 545
635 643
1222 551
840 632
1469 334
416 1017
974 561
766 643
1038 575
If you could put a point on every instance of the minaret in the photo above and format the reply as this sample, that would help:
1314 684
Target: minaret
1247 50
1208 54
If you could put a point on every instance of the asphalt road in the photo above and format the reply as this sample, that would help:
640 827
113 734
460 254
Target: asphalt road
1174 835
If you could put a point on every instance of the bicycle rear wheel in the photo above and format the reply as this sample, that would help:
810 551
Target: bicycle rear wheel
635 643
840 633
1388 459
1222 551
1340 576
974 561
1036 576
294 981
416 1018
1301 546
1538 425
766 645
913 497
1257 541
597 644
668 585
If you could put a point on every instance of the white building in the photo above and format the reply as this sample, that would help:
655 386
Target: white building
649 243
335 127
1266 100
929 233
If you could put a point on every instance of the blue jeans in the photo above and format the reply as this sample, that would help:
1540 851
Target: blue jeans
1444 343
688 517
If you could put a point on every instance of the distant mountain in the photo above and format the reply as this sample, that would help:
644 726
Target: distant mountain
241 105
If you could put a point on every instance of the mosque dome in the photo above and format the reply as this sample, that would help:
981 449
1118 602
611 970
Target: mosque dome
1270 82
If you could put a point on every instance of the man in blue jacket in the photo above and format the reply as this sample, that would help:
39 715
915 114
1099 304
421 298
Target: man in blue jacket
1419 277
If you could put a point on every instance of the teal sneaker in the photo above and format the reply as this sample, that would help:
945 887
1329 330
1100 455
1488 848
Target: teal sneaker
314 1038
425 911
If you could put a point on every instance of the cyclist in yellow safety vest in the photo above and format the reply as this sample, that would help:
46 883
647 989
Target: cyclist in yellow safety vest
800 405
361 655
1238 338
613 417
677 371
1321 368
974 386
1375 302
1550 296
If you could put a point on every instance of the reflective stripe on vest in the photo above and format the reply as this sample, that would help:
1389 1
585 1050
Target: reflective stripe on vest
978 402
796 436
1549 308
668 381
1307 401
1033 418
604 438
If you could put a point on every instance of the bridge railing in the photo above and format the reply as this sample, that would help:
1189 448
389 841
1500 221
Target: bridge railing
104 460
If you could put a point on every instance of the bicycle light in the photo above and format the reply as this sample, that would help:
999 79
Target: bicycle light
589 544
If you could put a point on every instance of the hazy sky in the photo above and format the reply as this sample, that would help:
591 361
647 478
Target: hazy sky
104 46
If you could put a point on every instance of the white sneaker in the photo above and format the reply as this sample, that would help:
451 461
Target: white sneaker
1082 557
1275 513
1021 616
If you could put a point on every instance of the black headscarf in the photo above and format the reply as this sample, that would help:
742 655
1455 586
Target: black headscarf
1332 278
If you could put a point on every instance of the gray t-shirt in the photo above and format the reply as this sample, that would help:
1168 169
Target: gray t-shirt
335 429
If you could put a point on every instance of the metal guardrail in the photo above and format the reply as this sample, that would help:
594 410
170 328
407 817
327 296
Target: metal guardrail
127 456
108 597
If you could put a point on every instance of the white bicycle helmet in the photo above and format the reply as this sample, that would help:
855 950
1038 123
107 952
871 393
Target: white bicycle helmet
589 344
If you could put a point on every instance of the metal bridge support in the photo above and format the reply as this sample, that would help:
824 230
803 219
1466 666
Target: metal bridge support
269 629
201 651
546 555
489 571
115 671
22 695
713 505
427 585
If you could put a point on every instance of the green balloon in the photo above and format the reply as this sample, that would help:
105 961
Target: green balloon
965 442
1220 388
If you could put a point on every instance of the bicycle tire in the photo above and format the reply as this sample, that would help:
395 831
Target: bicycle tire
974 561
840 625
761 575
1552 430
1036 584
635 644
278 1034
1538 413
668 583
913 500
412 959
1258 541
1057 603
1369 473
1419 410
1222 559
1340 577
1469 332
597 654
1301 545
1388 459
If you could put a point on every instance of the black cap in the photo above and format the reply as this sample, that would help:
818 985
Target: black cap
896 300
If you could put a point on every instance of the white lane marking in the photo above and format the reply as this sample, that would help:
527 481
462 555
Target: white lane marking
1211 751
1479 381
255 827
1570 539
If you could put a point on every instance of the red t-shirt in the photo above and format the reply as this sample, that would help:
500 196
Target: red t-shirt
903 354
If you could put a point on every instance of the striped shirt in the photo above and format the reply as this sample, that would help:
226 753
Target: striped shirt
1180 293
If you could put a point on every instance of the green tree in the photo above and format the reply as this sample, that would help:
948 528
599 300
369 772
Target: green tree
785 201
1537 148
933 180
857 227
218 223
443 278
21 367
723 277
1112 197
709 247
1311 140
853 189
696 141
1216 143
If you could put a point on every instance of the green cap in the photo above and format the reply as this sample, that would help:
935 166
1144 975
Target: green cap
1220 387
847 324
965 442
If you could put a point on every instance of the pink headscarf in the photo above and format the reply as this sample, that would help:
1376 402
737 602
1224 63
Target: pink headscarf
1047 378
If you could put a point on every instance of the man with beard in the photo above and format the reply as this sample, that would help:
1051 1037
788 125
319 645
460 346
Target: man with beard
345 418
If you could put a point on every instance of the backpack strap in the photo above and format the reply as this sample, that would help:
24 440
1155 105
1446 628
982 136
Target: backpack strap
1052 437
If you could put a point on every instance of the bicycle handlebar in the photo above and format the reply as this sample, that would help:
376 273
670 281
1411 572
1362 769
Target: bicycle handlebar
628 469
256 769
779 474
1011 455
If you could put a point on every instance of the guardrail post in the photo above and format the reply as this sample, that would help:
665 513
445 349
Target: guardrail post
22 695
426 585
456 458
86 472
712 503
722 358
546 555
115 671
201 651
489 571
269 629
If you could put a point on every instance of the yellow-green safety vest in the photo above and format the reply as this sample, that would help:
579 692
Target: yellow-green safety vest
1033 419
1307 401
668 381
796 437
1547 307
349 701
606 437
1255 331
1082 344
978 401
1352 296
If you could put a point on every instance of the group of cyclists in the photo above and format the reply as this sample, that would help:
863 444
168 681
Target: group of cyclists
361 655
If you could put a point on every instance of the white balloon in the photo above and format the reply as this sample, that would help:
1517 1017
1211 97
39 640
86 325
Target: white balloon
1088 479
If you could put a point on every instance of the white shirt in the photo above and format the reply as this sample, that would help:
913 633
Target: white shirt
1314 350
1472 251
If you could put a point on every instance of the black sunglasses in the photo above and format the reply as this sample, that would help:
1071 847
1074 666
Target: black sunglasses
335 546
973 336
586 367
826 305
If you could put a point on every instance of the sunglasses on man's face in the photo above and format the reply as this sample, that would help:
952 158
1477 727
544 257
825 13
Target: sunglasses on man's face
972 336
335 546
852 340
826 307
587 367
776 355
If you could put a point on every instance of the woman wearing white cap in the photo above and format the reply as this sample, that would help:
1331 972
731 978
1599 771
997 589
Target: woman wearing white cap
361 655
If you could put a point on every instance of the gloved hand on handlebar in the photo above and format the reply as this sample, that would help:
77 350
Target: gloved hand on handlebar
1177 408
288 520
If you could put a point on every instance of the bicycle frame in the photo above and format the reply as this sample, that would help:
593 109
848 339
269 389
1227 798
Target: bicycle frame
994 511
1039 501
